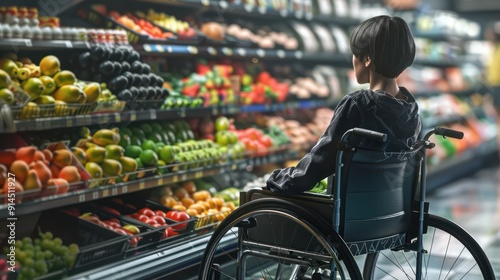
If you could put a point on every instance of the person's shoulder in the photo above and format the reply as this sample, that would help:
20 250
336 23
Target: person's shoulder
358 96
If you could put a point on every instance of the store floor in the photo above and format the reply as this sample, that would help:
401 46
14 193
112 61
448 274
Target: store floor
473 202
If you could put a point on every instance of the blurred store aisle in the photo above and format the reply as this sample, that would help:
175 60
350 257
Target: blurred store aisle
474 203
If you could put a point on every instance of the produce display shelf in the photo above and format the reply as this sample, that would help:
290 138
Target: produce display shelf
40 124
464 93
442 36
91 194
29 44
461 165
226 8
179 256
238 52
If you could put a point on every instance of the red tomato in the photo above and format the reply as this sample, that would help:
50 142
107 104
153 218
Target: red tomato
160 213
146 211
143 218
160 220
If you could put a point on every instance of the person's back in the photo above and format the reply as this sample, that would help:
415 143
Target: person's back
382 48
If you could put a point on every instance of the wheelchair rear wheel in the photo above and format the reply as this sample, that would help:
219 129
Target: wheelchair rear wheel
451 253
275 239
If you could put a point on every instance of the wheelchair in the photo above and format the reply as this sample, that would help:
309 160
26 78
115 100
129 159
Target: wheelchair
374 206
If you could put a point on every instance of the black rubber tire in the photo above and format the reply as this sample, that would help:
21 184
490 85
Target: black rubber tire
272 204
469 243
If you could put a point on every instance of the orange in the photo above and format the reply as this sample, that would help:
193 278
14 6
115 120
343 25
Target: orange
7 157
43 171
26 154
62 158
32 181
70 174
20 169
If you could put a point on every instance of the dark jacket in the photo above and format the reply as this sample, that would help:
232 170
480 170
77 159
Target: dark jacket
374 110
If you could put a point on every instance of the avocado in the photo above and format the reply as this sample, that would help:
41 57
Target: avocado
117 83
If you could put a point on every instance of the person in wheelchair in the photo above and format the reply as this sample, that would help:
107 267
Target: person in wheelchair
383 47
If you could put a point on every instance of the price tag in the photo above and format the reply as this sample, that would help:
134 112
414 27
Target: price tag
95 195
205 2
152 114
215 111
182 112
142 185
133 116
248 8
160 49
105 193
198 174
159 182
118 118
223 4
69 45
147 48
28 43
261 52
184 177
281 53
299 54
38 124
169 49
175 179
69 122
192 49
114 191
241 51
81 198
227 51
212 51
105 119
124 189
262 10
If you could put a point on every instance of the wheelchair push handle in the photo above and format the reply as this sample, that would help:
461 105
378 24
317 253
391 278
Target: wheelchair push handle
365 133
446 132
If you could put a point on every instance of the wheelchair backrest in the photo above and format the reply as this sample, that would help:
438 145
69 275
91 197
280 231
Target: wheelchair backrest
377 191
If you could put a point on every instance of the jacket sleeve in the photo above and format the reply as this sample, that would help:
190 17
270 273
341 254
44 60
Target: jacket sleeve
319 163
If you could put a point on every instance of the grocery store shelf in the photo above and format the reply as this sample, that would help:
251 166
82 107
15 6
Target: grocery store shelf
222 7
86 195
239 52
431 93
40 124
17 44
180 255
460 165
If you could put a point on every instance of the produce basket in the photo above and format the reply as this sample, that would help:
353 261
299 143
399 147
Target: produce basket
137 242
109 107
96 246
33 111
130 206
